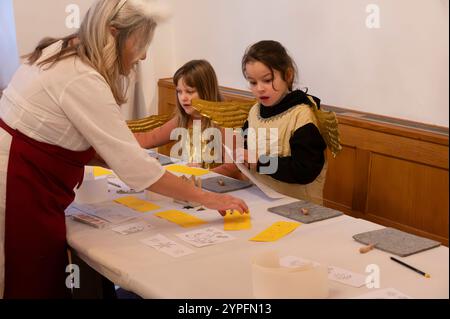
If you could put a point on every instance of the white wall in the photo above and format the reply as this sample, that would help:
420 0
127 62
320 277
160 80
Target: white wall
38 19
399 70
9 58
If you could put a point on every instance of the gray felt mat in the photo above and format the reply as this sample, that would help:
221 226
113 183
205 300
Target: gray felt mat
395 241
229 184
313 213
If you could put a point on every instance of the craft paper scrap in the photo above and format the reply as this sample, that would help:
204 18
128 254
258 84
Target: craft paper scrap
236 221
71 210
137 204
387 293
346 277
186 170
205 237
100 171
132 228
181 218
276 231
167 246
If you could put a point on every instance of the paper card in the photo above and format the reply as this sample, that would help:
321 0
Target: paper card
186 170
346 277
137 204
100 171
71 210
276 231
90 220
167 246
132 228
205 237
108 211
181 218
387 293
236 221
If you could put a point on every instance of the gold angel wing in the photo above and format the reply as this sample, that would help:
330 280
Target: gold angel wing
230 114
328 127
148 123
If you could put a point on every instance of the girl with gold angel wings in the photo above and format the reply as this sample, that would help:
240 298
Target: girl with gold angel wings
303 130
196 79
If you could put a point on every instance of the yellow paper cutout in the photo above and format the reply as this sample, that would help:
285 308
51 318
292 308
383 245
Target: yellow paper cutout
236 221
276 231
137 204
181 218
187 170
100 171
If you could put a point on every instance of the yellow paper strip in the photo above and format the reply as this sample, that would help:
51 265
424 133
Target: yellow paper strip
137 204
187 170
100 171
276 231
236 221
181 218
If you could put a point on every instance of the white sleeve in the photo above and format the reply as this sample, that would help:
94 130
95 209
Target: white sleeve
89 104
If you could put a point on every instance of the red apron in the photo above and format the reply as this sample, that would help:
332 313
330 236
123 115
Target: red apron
39 187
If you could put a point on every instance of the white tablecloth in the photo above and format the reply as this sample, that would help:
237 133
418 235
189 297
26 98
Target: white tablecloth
224 270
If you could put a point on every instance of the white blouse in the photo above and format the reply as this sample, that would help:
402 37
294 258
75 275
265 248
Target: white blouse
72 106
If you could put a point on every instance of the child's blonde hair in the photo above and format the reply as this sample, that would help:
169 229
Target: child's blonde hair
98 47
198 74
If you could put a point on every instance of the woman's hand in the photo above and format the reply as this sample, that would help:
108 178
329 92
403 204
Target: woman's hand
177 188
222 203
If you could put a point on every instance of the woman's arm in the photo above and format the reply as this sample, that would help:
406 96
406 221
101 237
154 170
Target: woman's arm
158 136
172 186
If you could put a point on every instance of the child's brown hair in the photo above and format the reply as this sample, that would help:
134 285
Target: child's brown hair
273 55
198 74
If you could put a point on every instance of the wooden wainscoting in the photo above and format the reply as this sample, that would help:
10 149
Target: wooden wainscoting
390 171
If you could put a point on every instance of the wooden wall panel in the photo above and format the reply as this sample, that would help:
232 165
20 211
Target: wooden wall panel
396 146
339 186
409 196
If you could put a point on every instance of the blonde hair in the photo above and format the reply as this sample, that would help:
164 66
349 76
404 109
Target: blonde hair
98 47
198 74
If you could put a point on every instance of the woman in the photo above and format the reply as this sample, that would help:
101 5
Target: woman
60 107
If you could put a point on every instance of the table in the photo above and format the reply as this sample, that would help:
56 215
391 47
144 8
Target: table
224 271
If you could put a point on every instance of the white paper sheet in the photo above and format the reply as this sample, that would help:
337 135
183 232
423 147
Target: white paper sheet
264 188
205 237
132 228
167 246
340 275
346 277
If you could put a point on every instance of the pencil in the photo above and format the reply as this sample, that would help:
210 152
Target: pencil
114 184
411 267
